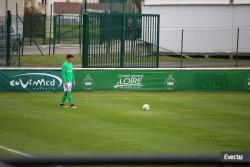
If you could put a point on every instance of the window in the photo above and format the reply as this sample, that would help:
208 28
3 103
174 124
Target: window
44 2
1 29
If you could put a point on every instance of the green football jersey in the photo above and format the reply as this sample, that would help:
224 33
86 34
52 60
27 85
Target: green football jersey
67 72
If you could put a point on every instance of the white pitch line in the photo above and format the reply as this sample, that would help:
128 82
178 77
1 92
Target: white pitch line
14 151
20 153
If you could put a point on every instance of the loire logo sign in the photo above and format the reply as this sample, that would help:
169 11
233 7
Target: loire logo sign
248 83
88 82
129 81
170 83
36 81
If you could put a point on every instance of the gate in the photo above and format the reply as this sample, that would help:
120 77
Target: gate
67 29
113 40
34 29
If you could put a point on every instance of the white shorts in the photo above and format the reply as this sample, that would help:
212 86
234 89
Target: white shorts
67 87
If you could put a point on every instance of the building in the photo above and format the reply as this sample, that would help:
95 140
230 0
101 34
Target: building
99 6
11 5
209 25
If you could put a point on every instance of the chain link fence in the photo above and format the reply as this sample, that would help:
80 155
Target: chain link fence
205 47
2 39
10 42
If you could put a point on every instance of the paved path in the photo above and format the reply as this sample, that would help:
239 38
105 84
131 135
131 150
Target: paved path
75 49
241 63
59 49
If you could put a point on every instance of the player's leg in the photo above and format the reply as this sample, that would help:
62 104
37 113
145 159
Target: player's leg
70 98
65 96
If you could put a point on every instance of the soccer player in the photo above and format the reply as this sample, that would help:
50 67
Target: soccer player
68 81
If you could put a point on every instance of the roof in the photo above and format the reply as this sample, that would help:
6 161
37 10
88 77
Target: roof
67 8
194 2
72 7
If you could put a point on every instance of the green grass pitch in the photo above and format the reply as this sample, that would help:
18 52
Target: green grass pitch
180 122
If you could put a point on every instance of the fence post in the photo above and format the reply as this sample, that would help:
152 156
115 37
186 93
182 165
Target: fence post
19 46
59 29
54 34
237 48
80 32
123 38
44 37
81 29
85 6
22 44
158 42
17 36
8 45
50 24
30 28
16 20
85 45
182 36
85 42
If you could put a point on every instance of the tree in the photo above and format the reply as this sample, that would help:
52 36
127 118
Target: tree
30 7
138 4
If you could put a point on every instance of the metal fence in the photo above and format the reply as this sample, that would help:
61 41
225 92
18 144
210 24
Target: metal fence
67 29
113 34
10 43
120 40
205 47
34 28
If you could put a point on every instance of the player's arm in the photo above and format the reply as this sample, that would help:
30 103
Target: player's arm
73 78
64 74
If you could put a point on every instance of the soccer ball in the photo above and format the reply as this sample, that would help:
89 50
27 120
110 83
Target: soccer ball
146 107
